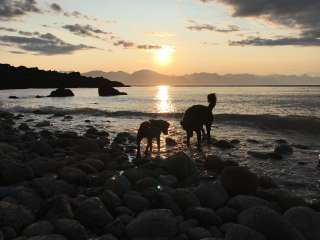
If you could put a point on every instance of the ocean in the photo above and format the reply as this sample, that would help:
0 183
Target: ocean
263 114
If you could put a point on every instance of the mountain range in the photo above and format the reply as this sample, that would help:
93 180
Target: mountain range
148 77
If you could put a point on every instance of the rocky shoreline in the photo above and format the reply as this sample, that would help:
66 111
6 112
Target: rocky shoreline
61 185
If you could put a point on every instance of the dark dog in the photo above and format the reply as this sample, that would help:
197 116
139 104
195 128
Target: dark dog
151 129
198 116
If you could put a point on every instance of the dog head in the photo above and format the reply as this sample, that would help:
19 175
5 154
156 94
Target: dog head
212 99
162 125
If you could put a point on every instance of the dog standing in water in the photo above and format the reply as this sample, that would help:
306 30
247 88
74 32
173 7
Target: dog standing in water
151 129
198 116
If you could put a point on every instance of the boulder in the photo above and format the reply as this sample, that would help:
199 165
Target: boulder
243 202
118 185
136 203
61 92
57 207
188 224
107 91
145 183
171 142
168 180
181 166
240 232
306 220
50 186
269 223
48 237
223 144
227 214
72 229
239 180
206 216
38 229
212 195
265 155
215 163
12 172
110 199
15 216
43 124
107 237
73 175
283 149
185 198
93 214
153 224
198 233
116 228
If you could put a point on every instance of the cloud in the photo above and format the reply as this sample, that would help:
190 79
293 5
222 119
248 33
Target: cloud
124 44
298 14
56 7
132 45
44 44
208 27
160 34
12 9
85 30
286 41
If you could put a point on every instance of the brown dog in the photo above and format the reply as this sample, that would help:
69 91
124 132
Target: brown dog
151 129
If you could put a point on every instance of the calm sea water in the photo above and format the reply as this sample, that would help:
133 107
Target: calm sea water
297 172
303 101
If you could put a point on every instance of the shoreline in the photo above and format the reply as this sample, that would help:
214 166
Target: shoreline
80 186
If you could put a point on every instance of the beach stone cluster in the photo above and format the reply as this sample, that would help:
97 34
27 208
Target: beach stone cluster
65 186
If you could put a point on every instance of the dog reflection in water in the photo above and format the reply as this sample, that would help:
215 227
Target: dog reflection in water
150 130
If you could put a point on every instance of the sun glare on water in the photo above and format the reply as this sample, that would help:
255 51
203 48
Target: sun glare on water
164 55
163 97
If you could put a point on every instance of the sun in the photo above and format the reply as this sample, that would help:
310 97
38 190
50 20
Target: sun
164 55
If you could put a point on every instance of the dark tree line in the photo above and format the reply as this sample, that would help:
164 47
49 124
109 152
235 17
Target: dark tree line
22 77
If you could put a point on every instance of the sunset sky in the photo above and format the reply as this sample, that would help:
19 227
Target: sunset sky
168 36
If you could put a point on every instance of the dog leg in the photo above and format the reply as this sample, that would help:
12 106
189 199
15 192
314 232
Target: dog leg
199 139
158 144
138 147
189 135
208 127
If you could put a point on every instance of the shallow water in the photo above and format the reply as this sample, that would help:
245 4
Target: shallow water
297 172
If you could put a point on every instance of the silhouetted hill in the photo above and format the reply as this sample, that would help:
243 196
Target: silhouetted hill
148 77
22 77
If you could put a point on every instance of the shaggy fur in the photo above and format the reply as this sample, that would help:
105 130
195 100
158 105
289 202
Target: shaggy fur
151 129
198 116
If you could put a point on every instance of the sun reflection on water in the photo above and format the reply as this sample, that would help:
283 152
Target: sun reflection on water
163 97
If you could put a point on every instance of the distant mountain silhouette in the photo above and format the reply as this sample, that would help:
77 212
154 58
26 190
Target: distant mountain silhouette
22 77
148 77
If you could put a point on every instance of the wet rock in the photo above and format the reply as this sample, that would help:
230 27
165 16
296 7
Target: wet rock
211 195
185 198
135 202
97 164
300 146
38 229
12 172
73 175
92 213
186 225
72 229
171 142
239 180
62 92
306 220
198 233
283 198
107 237
48 237
168 180
240 232
116 228
8 233
145 183
56 208
24 127
283 149
181 166
13 97
265 155
235 141
215 163
118 185
85 146
43 124
269 223
49 187
206 216
164 200
267 182
42 148
107 91
146 225
15 216
110 199
227 214
243 202
223 144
